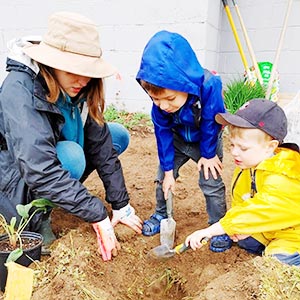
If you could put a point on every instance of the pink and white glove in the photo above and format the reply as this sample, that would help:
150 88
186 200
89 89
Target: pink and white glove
126 215
106 238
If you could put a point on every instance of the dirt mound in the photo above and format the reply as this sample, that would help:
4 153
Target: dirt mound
76 271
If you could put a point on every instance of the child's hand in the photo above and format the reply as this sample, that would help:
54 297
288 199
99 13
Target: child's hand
214 165
195 239
168 183
238 237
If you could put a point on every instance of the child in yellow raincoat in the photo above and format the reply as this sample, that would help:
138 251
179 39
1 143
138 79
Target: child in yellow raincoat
265 212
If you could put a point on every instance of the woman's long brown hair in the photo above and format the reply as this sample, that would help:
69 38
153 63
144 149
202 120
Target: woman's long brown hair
93 92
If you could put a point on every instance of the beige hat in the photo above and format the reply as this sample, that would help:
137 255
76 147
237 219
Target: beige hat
71 44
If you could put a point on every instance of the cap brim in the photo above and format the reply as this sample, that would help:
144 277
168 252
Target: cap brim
83 65
230 119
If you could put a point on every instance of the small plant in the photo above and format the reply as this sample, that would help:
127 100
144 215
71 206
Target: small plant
129 120
238 92
14 229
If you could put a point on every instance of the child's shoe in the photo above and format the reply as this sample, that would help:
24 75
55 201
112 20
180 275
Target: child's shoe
220 243
152 226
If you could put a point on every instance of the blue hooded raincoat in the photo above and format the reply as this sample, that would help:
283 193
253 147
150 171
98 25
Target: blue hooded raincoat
168 61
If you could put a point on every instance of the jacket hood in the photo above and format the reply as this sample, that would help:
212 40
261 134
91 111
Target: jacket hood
15 51
168 61
286 161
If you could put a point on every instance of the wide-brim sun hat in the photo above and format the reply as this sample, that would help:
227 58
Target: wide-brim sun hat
71 44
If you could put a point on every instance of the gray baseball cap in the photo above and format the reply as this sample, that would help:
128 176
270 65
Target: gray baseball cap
262 114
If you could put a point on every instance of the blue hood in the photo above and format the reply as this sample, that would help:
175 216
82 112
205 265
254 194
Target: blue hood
168 61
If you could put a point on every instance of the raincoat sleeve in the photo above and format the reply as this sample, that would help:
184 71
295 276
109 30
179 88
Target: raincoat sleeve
31 140
164 137
273 208
100 152
212 103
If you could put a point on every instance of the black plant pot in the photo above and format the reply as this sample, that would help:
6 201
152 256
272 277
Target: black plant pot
26 259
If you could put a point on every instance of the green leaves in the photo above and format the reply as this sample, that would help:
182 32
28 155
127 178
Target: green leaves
23 210
238 92
14 229
14 255
42 203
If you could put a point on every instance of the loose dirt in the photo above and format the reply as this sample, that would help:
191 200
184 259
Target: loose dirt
76 271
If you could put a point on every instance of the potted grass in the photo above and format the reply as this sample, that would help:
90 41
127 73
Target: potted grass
237 92
19 245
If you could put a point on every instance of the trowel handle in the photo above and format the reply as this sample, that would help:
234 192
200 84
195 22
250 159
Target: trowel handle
170 204
182 247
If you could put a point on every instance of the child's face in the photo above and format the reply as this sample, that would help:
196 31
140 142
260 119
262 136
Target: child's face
169 100
71 83
249 147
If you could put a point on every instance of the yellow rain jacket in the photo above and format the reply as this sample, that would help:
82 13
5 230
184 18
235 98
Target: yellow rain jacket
272 215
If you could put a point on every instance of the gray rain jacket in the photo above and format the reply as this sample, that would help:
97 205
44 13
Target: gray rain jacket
30 128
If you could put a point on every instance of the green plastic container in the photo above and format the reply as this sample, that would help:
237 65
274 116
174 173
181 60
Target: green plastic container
265 68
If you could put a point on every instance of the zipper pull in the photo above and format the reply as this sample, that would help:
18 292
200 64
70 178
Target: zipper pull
73 112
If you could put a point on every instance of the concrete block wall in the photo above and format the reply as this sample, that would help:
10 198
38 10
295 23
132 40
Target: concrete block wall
263 21
126 26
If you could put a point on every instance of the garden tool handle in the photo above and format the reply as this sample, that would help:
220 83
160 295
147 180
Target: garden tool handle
169 204
183 247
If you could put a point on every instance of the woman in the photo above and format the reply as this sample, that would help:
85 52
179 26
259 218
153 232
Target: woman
47 147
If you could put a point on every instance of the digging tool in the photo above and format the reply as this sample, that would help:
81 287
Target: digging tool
168 226
164 252
275 63
237 39
248 43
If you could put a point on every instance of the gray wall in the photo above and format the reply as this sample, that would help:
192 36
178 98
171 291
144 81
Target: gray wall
264 21
126 26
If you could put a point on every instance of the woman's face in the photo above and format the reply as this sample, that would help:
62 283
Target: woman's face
71 83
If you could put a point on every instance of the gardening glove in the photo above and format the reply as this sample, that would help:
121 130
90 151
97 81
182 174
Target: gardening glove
107 241
126 215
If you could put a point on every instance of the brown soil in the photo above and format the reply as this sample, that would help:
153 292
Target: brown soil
27 243
76 271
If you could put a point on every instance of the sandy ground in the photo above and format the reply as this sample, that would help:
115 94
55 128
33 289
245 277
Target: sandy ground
76 271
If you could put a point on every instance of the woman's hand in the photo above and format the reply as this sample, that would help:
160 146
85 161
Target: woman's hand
126 215
108 245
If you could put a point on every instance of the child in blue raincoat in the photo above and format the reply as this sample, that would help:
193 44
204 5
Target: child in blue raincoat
186 98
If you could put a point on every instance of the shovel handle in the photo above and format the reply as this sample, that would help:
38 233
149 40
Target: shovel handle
183 247
169 204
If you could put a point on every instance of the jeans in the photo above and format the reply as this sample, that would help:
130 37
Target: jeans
213 189
72 157
289 259
251 245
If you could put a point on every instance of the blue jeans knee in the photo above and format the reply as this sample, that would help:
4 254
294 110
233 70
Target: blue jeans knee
120 136
289 259
72 158
251 245
214 193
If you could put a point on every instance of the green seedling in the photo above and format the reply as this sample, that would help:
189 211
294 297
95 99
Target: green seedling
14 229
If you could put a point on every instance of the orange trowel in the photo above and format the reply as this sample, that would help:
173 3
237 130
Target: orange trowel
168 225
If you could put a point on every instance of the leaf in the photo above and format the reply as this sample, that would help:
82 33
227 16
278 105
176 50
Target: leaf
23 210
13 222
42 203
14 255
